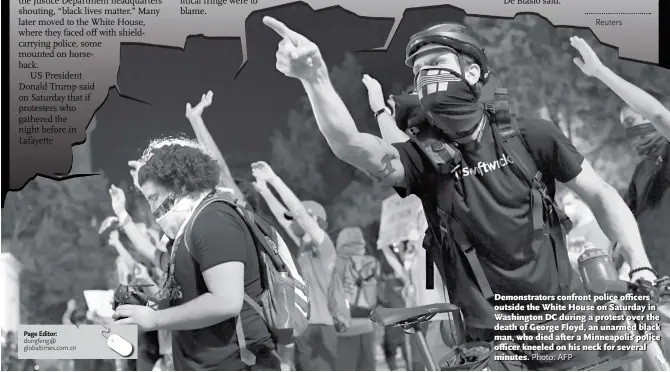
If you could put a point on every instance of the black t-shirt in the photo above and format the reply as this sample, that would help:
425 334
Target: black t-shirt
648 197
498 201
219 235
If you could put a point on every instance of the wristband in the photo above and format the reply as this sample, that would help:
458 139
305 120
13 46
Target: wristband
381 111
643 268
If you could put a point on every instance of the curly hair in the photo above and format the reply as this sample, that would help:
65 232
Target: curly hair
180 165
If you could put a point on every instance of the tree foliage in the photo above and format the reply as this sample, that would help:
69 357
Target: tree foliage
533 59
303 159
51 228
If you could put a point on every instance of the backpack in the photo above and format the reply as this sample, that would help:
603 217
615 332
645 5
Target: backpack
445 222
284 303
360 282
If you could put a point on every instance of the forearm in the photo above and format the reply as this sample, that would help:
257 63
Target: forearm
389 129
276 207
123 252
140 241
618 223
201 312
638 100
205 139
332 116
290 200
66 317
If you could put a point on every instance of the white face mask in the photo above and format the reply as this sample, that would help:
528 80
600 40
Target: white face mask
170 222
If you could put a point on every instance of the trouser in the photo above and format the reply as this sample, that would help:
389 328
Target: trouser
356 353
316 349
268 361
147 353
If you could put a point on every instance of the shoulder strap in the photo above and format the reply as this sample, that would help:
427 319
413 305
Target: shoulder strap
505 129
260 230
445 158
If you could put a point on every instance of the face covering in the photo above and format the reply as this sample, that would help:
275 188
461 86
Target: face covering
171 214
449 101
644 138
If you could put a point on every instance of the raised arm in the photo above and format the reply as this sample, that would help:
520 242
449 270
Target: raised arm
140 240
194 116
637 99
263 172
276 207
385 117
299 58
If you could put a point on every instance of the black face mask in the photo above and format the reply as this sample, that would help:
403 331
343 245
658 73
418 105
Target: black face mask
449 100
644 138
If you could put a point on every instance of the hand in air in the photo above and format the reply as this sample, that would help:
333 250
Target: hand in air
118 201
391 103
375 93
134 169
262 171
297 56
589 63
205 101
142 316
71 305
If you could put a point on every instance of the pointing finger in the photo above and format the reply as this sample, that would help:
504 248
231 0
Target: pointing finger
282 30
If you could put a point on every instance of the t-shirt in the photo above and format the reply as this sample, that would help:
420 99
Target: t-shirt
317 264
648 197
219 235
498 200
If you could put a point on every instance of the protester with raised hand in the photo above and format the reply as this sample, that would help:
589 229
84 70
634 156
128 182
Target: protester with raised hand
385 116
508 216
194 116
639 101
305 222
646 120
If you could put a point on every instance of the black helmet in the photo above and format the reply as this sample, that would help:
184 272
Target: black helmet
453 35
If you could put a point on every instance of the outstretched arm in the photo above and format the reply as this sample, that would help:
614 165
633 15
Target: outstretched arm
386 119
276 207
263 172
194 116
300 58
612 214
638 100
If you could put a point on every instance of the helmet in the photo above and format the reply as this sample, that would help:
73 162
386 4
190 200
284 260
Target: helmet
453 35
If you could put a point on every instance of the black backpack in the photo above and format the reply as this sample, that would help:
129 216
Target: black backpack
284 303
548 219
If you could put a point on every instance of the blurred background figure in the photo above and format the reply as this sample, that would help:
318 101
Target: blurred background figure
360 274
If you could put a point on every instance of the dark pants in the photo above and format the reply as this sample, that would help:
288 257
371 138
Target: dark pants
267 362
147 353
316 349
356 353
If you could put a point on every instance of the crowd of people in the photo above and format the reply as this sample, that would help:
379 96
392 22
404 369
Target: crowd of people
496 222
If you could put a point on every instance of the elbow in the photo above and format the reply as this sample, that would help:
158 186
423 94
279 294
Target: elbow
224 308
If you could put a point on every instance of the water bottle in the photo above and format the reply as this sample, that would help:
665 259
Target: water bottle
598 274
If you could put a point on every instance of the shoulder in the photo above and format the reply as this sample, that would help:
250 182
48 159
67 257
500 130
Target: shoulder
217 216
534 128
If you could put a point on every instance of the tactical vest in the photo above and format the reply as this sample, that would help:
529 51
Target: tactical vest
447 225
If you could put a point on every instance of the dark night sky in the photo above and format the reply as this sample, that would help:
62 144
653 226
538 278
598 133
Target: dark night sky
246 110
